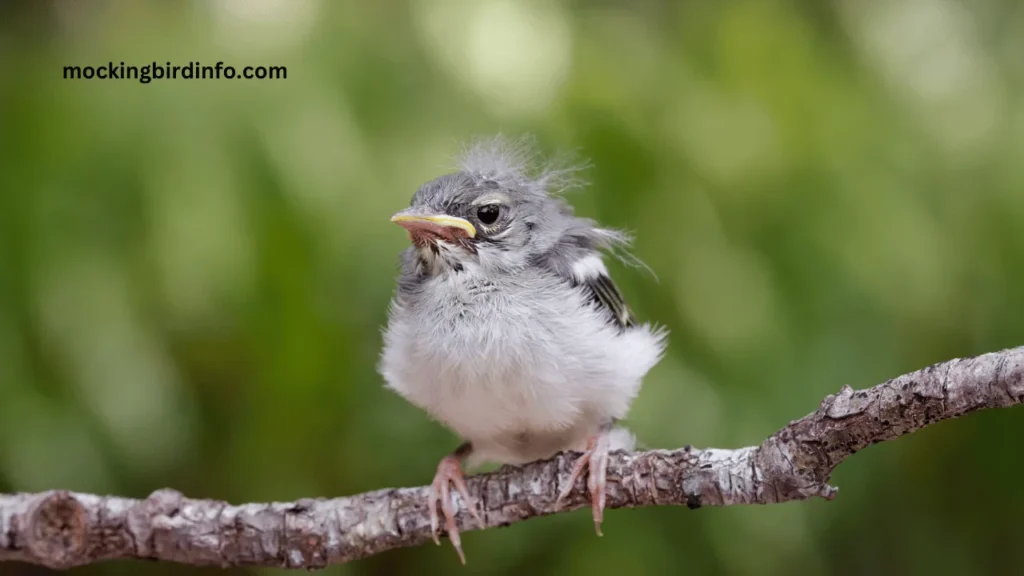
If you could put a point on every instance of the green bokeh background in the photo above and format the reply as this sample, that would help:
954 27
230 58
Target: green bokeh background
194 273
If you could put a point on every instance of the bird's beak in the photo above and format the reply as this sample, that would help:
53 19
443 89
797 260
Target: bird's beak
424 226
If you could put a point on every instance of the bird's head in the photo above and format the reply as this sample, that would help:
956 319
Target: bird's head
490 214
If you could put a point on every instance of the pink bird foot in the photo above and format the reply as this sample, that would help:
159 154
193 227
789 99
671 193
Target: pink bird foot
449 473
595 459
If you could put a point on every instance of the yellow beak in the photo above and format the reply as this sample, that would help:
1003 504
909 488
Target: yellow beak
433 221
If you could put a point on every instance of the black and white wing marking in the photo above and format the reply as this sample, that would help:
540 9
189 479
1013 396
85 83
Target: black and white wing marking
590 273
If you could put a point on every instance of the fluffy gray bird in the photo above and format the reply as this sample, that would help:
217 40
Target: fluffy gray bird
507 328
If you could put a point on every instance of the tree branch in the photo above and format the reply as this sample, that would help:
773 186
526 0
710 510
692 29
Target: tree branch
61 529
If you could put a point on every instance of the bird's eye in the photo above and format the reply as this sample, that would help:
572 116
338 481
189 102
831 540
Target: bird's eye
488 214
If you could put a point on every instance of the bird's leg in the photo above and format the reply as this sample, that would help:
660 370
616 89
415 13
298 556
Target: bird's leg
449 473
595 461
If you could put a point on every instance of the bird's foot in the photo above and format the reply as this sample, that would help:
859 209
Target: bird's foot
449 473
595 460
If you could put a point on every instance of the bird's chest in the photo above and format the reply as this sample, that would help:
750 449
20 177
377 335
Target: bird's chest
483 359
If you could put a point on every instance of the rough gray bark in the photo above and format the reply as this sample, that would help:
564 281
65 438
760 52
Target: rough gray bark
63 529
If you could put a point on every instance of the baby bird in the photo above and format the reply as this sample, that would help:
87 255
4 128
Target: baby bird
506 327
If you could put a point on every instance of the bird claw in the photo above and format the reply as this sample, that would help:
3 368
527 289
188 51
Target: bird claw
449 473
595 461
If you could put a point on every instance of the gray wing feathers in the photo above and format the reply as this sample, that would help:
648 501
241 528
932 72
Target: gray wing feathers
606 295
576 257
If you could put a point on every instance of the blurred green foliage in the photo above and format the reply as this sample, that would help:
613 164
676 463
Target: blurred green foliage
193 273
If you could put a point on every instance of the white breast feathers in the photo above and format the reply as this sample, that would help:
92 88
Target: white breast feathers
520 365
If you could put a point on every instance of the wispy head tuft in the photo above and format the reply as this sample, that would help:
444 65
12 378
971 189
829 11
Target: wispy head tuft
517 162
